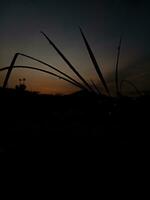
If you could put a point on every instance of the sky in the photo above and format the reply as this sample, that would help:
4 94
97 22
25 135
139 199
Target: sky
103 21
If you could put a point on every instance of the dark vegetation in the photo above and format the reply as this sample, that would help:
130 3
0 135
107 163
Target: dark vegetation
28 118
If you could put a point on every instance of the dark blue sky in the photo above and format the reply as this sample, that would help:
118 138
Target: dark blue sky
102 21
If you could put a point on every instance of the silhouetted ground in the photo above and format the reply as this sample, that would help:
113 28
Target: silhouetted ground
31 120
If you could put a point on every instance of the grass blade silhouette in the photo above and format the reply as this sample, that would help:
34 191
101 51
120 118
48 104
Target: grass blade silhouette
54 68
67 61
10 70
27 56
41 70
96 88
131 84
95 62
117 66
3 69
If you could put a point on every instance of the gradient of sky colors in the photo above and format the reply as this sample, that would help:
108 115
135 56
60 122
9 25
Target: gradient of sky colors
102 21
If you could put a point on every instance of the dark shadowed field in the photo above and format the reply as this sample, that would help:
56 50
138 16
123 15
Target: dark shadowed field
30 120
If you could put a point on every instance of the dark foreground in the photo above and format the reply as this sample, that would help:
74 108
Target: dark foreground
30 120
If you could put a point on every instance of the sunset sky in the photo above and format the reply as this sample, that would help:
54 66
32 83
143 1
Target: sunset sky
102 21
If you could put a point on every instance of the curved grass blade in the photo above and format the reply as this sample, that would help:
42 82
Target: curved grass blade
131 84
54 68
3 69
68 62
27 56
97 68
41 70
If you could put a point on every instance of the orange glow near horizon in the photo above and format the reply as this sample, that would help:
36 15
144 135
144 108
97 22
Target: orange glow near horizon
55 91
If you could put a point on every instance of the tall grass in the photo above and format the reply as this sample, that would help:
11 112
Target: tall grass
117 67
96 66
68 62
83 84
30 57
41 70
